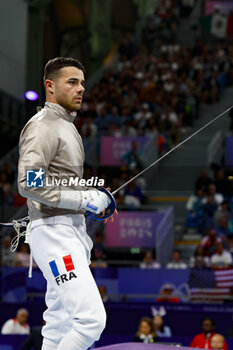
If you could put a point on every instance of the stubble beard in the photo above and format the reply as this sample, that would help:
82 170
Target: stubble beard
62 101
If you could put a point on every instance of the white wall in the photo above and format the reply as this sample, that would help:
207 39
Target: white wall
13 38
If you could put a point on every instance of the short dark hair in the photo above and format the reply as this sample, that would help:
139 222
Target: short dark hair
54 65
209 319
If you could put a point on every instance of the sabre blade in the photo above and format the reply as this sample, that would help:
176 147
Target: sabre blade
171 150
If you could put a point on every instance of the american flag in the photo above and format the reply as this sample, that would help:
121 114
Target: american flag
210 285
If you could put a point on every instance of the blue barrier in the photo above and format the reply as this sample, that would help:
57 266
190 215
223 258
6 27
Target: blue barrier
138 281
17 287
11 342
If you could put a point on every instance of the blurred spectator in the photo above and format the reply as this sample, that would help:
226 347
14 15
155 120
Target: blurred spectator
222 211
149 32
146 332
126 130
133 159
222 258
143 116
123 178
164 142
194 206
34 340
148 262
98 258
7 256
176 262
222 229
158 322
203 181
103 120
211 191
218 23
230 223
140 181
22 258
88 128
230 244
209 208
132 196
230 25
209 241
186 7
17 325
194 202
203 340
8 170
103 293
223 185
199 260
5 186
217 342
162 330
99 239
127 47
115 117
173 124
166 294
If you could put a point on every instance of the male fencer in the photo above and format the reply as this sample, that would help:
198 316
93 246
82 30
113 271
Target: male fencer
50 148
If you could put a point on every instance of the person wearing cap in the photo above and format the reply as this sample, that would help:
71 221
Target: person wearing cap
166 294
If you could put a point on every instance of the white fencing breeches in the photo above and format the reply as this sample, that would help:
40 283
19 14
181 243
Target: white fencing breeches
75 315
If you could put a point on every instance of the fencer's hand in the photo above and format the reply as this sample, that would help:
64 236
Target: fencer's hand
111 217
95 201
115 212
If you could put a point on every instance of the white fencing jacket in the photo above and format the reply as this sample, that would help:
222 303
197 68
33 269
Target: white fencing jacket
51 142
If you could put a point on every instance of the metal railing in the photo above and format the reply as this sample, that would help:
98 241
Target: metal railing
165 237
215 148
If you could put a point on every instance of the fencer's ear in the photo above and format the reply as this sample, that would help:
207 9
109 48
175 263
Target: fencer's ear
49 86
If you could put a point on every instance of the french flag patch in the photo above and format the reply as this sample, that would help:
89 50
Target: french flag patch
68 265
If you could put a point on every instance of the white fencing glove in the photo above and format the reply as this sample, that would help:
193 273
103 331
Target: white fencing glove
95 201
91 200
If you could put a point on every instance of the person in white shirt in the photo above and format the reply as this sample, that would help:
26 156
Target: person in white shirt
218 23
176 262
148 262
222 258
218 197
17 325
195 201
